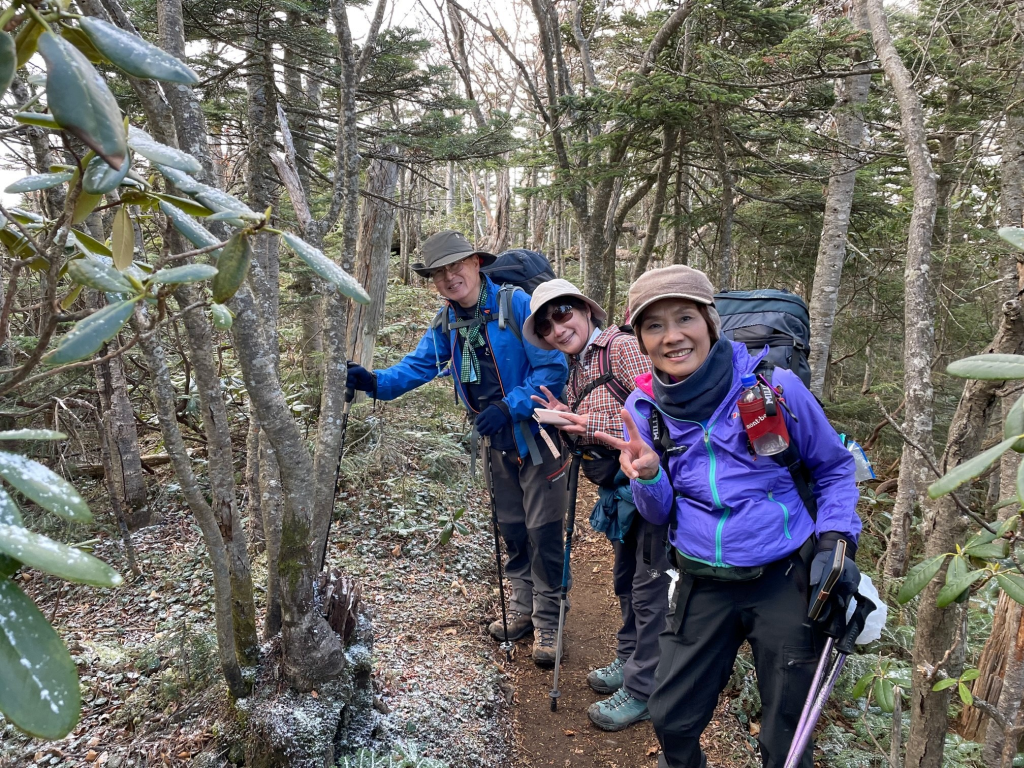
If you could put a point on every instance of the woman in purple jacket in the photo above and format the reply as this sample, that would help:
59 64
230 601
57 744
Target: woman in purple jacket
747 548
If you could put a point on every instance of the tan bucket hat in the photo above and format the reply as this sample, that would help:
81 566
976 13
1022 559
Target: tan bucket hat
549 291
447 247
675 282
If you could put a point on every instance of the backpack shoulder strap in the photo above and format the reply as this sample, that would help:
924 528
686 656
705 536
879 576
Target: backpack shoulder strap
790 458
441 320
506 311
604 364
605 377
666 447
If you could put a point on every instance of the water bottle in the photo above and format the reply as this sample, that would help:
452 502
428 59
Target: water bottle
768 434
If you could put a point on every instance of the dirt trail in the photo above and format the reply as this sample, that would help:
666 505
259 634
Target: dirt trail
567 738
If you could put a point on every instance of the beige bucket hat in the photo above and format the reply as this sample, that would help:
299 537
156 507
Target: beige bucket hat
675 282
549 291
447 247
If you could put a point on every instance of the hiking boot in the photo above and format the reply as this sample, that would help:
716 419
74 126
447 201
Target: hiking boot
619 711
607 679
544 647
519 625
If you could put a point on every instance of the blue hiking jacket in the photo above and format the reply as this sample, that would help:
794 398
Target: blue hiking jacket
734 509
522 367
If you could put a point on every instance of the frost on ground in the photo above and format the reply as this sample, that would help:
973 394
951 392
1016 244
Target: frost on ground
145 652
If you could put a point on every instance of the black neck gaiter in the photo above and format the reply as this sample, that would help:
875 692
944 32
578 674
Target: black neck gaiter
696 397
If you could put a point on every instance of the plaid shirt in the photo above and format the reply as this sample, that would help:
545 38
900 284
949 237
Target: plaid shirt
627 362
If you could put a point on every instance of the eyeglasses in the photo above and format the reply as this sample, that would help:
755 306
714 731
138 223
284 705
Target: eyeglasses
561 313
449 269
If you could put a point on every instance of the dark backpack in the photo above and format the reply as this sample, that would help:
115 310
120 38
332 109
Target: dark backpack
769 316
521 268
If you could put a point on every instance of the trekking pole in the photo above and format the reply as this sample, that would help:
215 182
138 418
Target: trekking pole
570 526
829 669
506 646
350 395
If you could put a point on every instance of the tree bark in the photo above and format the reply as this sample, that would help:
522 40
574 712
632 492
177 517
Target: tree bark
851 97
724 250
669 137
942 528
1008 616
346 202
918 317
123 437
1011 213
165 402
373 252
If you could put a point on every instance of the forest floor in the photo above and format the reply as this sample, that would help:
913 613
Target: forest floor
151 690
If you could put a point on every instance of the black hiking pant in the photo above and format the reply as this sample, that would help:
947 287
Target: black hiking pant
642 589
709 622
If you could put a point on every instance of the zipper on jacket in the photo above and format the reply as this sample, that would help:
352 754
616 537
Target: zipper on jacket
712 481
785 514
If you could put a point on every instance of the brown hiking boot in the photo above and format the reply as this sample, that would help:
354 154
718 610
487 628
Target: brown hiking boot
544 647
519 625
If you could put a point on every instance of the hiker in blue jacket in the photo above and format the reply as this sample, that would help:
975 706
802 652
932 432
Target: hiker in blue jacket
748 549
495 374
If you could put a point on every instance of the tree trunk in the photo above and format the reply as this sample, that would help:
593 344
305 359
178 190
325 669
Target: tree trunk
346 201
669 137
683 204
1011 213
125 458
1006 622
724 251
165 402
851 97
373 255
942 529
918 319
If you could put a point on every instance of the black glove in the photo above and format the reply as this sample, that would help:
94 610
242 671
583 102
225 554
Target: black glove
849 581
491 419
361 379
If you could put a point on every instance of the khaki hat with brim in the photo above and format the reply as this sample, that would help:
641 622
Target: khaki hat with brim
547 292
447 247
675 282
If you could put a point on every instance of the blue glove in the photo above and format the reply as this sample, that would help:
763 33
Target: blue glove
361 379
848 582
491 419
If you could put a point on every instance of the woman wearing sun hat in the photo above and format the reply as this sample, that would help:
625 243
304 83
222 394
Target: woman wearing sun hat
747 548
603 364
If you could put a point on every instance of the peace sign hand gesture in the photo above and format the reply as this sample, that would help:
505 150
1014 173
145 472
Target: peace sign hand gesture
637 459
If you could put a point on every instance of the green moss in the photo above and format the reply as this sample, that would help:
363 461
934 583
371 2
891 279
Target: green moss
293 560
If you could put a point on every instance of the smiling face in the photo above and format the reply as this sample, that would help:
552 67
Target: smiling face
676 336
566 334
459 282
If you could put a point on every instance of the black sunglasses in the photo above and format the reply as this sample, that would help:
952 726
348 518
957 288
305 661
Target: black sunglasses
559 313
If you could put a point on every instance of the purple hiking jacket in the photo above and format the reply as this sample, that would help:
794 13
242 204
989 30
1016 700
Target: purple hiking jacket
734 509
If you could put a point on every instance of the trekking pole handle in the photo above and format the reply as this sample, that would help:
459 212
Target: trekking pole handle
856 624
829 581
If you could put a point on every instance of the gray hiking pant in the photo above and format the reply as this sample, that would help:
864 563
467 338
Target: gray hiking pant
531 503
642 590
